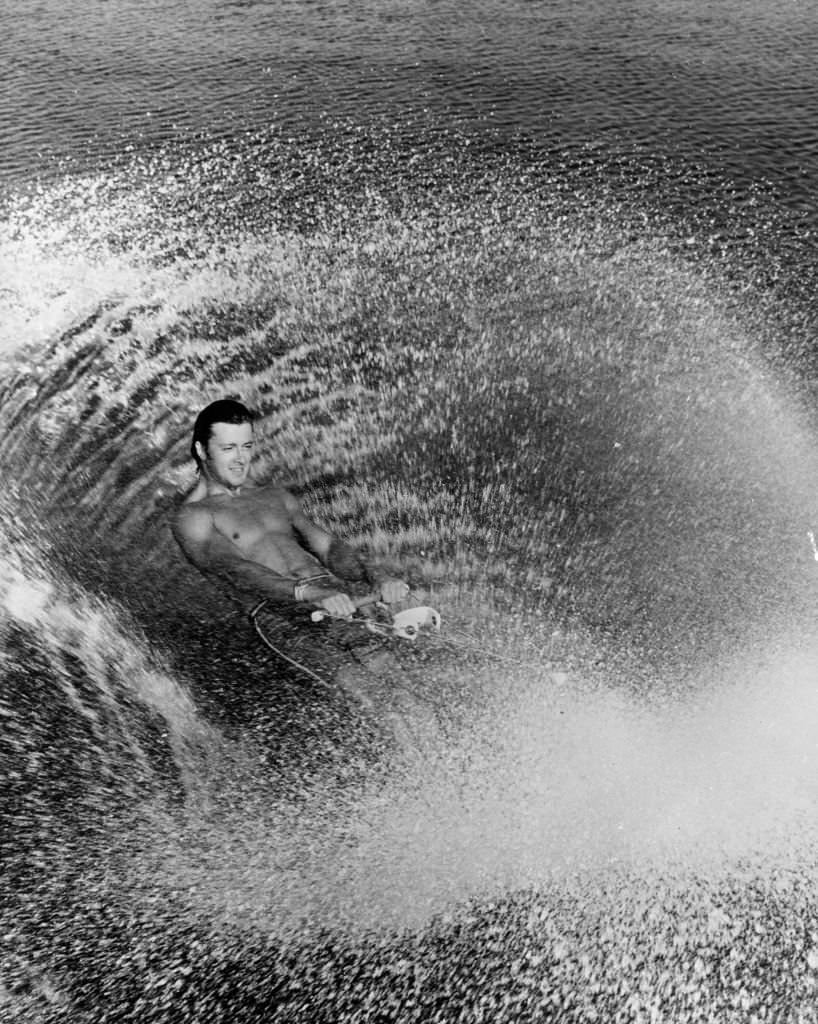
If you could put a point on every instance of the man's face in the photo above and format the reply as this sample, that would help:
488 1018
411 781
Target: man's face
228 453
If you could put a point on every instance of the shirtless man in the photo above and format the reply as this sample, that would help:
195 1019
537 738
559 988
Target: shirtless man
256 537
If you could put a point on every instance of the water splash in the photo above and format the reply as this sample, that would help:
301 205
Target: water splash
562 427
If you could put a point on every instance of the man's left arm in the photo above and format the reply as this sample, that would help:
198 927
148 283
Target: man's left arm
343 560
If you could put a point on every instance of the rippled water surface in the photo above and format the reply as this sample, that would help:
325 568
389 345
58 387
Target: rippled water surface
726 84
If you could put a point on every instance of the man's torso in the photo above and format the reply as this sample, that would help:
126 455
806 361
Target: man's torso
257 522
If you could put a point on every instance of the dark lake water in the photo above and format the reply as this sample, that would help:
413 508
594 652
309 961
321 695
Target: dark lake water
726 87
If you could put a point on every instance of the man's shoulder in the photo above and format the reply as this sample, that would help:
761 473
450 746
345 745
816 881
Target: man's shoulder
192 520
195 496
272 494
270 487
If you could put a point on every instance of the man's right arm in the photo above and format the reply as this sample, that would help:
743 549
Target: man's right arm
215 555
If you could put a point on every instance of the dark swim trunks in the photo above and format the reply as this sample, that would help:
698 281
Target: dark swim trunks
371 669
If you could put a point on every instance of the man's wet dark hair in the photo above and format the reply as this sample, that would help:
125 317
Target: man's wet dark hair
225 410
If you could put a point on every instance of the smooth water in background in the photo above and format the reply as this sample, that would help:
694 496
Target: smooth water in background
524 294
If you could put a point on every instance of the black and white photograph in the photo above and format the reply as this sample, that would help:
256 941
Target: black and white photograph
408 512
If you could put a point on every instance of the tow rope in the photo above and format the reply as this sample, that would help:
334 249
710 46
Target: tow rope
253 616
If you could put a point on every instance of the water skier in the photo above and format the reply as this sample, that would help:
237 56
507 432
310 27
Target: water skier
256 538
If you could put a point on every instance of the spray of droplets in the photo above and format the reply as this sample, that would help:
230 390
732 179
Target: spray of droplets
571 436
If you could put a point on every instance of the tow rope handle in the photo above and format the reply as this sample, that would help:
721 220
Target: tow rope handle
406 624
360 602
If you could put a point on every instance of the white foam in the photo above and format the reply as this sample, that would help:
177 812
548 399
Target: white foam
25 599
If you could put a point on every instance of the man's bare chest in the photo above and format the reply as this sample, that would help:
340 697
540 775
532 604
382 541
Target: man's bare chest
246 521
